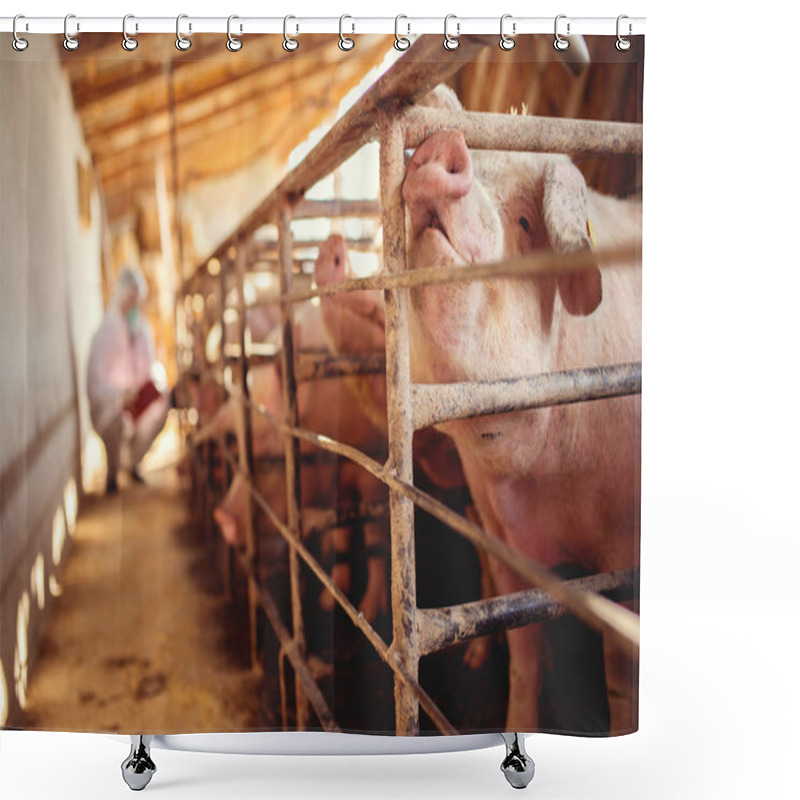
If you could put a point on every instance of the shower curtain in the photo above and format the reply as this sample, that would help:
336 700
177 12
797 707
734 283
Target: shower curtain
321 374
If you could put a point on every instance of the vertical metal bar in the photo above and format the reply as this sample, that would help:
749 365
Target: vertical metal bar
244 435
292 417
405 644
173 145
228 574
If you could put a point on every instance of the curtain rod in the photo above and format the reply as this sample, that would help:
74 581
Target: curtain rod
512 26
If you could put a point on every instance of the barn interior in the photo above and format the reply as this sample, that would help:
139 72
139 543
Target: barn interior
129 611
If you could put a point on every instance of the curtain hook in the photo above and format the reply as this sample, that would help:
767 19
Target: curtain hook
345 42
182 42
70 42
17 42
401 42
506 42
560 42
623 44
233 44
289 44
129 43
451 42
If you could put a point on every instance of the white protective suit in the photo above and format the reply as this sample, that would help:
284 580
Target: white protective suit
121 361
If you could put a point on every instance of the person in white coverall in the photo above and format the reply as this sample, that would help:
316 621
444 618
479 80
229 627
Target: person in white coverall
121 361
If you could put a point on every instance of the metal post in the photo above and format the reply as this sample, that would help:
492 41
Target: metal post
291 415
244 436
228 575
405 644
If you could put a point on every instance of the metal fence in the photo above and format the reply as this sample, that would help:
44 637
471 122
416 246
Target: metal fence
385 113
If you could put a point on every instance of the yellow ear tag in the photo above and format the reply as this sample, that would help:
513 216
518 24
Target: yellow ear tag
590 232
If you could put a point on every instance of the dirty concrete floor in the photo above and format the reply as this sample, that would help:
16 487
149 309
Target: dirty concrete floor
136 641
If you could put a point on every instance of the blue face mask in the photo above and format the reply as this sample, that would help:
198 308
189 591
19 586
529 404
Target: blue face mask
132 317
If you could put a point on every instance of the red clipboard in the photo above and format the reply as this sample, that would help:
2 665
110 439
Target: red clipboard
146 396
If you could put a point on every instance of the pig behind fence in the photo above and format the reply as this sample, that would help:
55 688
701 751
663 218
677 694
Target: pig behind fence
559 484
325 407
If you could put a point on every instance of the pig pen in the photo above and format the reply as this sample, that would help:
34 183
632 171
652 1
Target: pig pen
385 113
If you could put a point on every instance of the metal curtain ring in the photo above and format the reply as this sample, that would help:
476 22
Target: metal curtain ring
17 42
129 43
560 42
451 42
233 44
401 42
623 44
70 42
181 42
289 44
345 42
506 42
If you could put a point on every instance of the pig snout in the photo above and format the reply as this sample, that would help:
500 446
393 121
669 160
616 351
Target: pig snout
439 173
331 265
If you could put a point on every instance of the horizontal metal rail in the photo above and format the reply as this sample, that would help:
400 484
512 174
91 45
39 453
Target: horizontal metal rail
260 250
318 520
338 366
313 366
333 209
520 133
445 627
440 402
535 264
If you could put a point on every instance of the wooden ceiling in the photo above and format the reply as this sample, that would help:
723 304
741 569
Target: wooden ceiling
534 76
204 112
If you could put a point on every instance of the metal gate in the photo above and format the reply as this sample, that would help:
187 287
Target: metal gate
385 113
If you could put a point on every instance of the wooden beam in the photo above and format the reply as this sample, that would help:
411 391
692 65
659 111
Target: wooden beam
119 187
224 94
205 81
230 127
99 100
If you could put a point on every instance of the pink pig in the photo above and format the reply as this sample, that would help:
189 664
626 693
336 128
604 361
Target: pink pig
354 323
560 484
325 407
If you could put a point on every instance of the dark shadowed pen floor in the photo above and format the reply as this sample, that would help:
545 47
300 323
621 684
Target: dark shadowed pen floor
137 639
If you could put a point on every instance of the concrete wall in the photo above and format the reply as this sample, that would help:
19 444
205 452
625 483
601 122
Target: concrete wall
50 304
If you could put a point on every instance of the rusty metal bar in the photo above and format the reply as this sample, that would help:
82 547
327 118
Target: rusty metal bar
314 209
311 368
539 263
405 643
218 437
439 402
290 648
385 652
440 628
245 440
317 520
291 416
263 250
516 132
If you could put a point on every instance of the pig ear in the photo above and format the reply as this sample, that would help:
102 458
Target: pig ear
566 217
441 97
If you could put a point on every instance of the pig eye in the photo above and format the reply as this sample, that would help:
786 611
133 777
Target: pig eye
526 226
